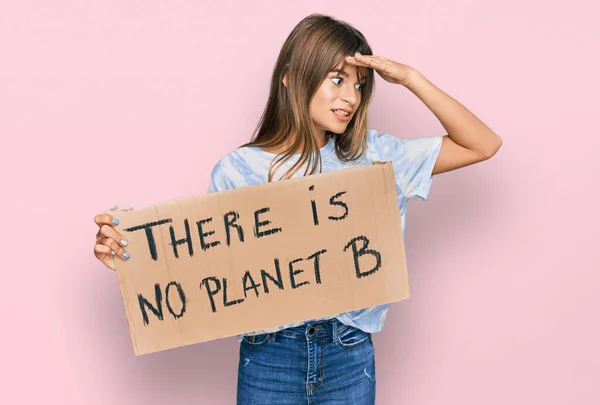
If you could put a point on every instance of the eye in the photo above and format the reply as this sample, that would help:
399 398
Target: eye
358 84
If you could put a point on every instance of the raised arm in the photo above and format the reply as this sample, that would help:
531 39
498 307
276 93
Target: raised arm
469 140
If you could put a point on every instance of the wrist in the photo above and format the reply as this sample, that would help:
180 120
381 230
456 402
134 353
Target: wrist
413 79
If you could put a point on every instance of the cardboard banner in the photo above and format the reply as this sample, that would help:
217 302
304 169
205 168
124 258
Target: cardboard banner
238 261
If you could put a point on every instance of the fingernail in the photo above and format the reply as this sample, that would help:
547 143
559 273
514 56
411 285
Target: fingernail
115 221
126 255
359 53
123 242
112 252
349 57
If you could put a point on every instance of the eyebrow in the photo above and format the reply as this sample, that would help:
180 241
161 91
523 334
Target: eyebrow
340 71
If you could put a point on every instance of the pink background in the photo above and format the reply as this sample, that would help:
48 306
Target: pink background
133 102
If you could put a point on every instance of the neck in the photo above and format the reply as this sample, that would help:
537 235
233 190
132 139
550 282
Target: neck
320 138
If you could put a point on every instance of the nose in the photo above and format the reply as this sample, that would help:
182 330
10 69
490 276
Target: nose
349 95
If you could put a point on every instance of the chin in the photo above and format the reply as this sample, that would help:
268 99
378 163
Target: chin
339 130
337 127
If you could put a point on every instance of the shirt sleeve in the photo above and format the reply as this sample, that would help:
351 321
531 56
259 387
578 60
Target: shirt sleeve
218 179
412 160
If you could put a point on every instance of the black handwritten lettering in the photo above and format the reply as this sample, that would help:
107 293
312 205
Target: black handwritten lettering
332 201
357 253
211 291
229 303
229 219
258 233
294 272
149 235
314 208
177 242
144 303
181 298
265 275
317 266
205 246
253 285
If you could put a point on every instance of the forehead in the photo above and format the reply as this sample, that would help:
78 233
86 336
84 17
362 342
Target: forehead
347 70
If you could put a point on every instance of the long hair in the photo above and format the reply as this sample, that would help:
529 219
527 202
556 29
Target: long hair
315 46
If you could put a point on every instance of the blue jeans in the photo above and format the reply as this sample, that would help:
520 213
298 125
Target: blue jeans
323 362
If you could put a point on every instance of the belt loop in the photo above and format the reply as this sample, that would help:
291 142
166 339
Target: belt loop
334 330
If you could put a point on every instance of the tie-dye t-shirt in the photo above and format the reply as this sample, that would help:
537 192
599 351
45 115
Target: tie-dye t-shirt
412 159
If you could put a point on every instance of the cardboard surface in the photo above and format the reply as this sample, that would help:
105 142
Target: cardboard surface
312 246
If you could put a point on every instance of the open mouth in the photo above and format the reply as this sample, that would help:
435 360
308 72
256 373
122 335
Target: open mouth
343 115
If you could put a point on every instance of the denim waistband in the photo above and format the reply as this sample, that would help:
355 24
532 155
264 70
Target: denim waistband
329 327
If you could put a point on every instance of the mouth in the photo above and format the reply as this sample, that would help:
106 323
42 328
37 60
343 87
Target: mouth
343 115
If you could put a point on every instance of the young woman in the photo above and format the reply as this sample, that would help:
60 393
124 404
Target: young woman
315 121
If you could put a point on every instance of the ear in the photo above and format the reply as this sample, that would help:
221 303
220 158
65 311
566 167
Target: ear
284 81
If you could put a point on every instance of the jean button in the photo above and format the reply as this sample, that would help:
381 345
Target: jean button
311 331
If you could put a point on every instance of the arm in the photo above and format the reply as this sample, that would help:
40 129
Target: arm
469 140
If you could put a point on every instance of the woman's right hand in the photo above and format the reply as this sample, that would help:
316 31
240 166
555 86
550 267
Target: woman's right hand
109 242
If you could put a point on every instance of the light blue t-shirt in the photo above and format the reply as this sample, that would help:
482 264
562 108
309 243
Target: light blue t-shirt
412 159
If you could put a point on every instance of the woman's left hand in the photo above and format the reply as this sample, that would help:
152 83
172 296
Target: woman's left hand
390 71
